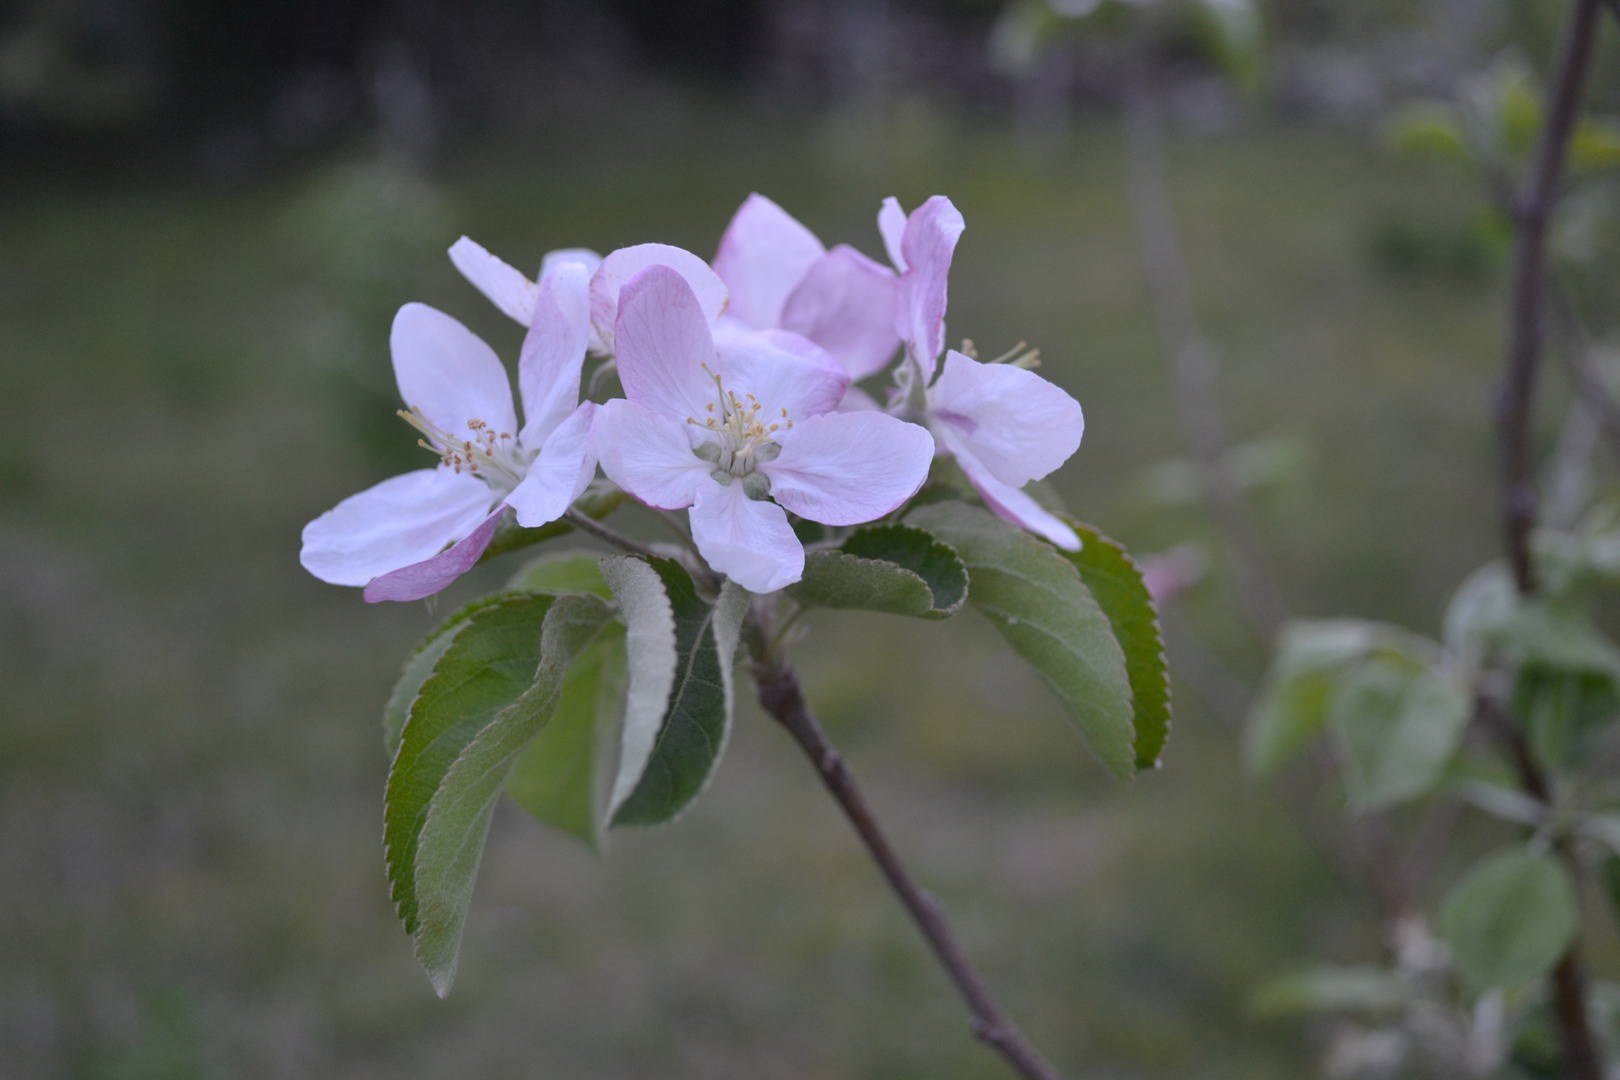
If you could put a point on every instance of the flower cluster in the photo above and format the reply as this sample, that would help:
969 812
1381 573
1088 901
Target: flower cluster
739 402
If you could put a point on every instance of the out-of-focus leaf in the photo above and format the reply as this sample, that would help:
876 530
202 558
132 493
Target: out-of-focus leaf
558 776
562 572
1604 828
891 568
1400 723
1019 33
1271 461
490 662
420 666
1595 145
1509 920
1558 637
1231 31
1563 709
456 823
1331 989
1505 803
1428 129
1292 707
1482 605
1611 879
1518 112
1117 586
1036 599
697 719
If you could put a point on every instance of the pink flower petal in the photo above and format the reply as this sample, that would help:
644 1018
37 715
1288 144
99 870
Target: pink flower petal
403 520
448 372
506 287
423 579
618 268
560 473
892 226
845 304
1013 505
649 455
584 256
554 351
748 540
763 255
1018 425
664 344
847 468
782 371
919 313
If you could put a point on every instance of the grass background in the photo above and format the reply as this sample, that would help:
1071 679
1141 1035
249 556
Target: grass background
191 766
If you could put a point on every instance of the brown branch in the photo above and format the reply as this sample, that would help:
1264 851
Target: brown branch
783 699
1192 364
1526 312
588 524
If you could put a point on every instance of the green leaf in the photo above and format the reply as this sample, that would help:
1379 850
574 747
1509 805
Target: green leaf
1232 34
420 666
451 843
1428 129
1563 710
1556 636
1293 704
652 657
563 572
697 718
891 568
1400 723
1510 920
1482 605
1331 989
598 501
558 777
488 664
1116 584
1595 145
1035 598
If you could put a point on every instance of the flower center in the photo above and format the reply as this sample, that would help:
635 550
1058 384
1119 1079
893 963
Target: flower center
743 438
495 457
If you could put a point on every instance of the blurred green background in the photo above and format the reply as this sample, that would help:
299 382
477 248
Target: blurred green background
200 253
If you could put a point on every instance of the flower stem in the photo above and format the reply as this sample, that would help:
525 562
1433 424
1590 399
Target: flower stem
782 697
585 523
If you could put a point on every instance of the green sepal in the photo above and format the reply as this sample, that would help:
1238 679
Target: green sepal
890 568
1116 584
1037 600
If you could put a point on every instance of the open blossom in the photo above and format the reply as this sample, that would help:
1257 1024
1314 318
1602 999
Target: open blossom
780 276
410 536
743 434
512 292
1005 425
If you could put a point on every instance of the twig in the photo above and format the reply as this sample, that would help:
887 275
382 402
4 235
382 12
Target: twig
1531 212
1192 364
782 697
585 523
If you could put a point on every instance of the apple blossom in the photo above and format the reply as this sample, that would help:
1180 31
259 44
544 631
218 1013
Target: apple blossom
780 276
1004 424
725 432
410 536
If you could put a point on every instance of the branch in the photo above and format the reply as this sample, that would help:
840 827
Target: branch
586 523
783 698
1532 211
1192 365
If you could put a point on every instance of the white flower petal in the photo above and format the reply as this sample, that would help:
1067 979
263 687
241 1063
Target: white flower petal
919 312
584 256
892 225
1013 505
403 520
618 268
505 286
845 304
1018 425
763 255
858 400
554 351
423 579
847 468
648 455
448 372
783 371
748 540
560 473
664 346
